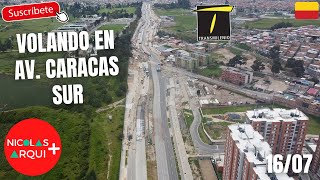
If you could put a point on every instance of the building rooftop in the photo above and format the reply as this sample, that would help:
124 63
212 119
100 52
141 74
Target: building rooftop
256 150
251 143
276 115
261 171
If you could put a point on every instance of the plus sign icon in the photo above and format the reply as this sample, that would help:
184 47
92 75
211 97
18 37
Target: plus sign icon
32 147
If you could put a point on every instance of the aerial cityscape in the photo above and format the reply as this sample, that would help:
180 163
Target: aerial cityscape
179 108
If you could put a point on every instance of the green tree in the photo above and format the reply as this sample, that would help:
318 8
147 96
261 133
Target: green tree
281 25
274 52
296 65
258 66
91 175
233 62
315 80
276 66
3 46
291 63
298 69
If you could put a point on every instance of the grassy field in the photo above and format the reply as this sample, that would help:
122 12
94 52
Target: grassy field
172 12
216 130
203 135
267 23
186 23
211 71
314 125
235 51
105 143
30 26
128 9
115 27
188 117
17 94
314 122
8 60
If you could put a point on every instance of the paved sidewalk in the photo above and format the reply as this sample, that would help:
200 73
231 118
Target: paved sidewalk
180 149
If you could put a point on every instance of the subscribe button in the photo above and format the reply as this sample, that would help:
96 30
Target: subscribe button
30 11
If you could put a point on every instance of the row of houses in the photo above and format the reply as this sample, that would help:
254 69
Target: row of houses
301 94
301 43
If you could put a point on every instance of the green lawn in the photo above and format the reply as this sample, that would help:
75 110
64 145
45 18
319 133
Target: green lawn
243 46
210 71
203 135
172 12
188 117
235 51
105 143
8 60
217 130
267 23
186 23
30 26
115 27
314 125
18 94
128 9
222 110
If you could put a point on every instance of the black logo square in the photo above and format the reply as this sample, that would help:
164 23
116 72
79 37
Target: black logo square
214 22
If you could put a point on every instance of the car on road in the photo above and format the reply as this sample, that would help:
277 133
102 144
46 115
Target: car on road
158 69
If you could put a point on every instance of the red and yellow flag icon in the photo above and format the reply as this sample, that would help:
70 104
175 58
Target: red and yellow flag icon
306 10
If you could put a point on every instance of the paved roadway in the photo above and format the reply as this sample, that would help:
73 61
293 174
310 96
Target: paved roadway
141 160
137 161
166 164
202 148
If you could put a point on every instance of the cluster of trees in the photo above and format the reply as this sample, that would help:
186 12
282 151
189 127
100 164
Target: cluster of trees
296 66
184 4
122 13
281 25
163 33
6 45
258 66
77 10
274 54
237 60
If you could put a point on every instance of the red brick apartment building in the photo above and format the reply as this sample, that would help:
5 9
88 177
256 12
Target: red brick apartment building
315 166
284 130
236 76
245 155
